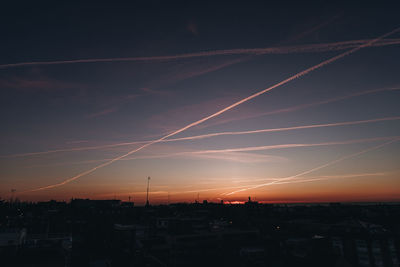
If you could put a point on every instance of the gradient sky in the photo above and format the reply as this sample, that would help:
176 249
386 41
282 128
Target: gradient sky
88 111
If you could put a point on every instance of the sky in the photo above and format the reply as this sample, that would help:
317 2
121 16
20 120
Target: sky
214 101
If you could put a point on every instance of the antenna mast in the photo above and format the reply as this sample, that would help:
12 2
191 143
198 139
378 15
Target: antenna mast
147 196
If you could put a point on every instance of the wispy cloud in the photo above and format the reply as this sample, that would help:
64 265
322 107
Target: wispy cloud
192 28
151 91
101 113
36 83
110 104
77 141
313 30
181 71
201 69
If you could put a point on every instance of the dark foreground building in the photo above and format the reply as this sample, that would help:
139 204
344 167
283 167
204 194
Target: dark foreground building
114 233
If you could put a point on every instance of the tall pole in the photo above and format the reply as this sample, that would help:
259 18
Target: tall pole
147 196
12 195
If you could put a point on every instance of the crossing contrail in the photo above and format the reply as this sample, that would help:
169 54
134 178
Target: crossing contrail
289 109
329 177
237 157
73 149
306 179
291 78
204 136
316 177
316 168
263 148
283 129
227 153
241 51
307 105
281 146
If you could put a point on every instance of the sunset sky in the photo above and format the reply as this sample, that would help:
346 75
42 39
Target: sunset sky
94 99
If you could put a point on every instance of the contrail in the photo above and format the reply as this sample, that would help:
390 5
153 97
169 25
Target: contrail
283 110
315 28
316 168
303 106
298 107
315 177
206 190
73 149
269 147
306 179
261 148
328 177
241 51
243 149
238 157
283 129
293 77
203 136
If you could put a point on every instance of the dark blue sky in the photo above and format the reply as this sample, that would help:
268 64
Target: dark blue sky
73 106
